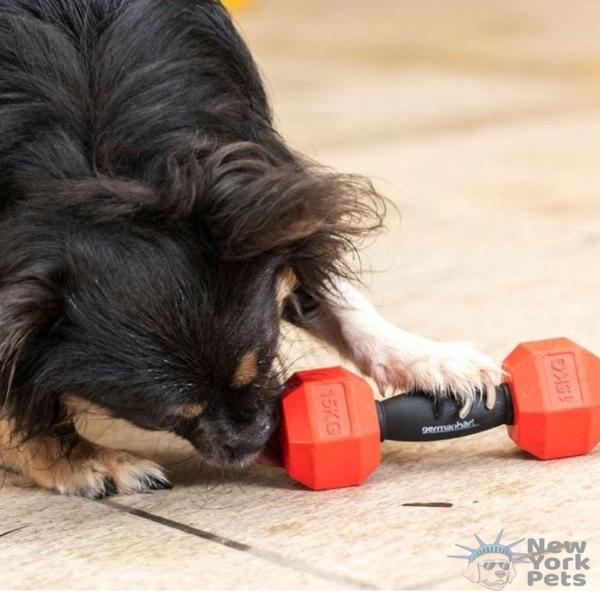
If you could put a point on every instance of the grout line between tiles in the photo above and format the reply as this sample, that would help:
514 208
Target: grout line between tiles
273 557
12 531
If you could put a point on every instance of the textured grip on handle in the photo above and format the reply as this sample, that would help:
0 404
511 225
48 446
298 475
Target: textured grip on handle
418 418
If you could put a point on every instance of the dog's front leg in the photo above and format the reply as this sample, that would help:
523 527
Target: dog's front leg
392 357
65 462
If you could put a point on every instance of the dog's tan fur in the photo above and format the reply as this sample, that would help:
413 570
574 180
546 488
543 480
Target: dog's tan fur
78 407
286 284
189 411
247 370
85 469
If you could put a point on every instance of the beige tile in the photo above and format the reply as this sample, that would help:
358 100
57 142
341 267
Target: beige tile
339 73
549 38
544 168
366 532
454 274
71 543
331 107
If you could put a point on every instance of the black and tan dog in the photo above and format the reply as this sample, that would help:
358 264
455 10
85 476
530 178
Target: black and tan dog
154 232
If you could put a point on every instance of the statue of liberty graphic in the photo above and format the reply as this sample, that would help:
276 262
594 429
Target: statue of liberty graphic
492 565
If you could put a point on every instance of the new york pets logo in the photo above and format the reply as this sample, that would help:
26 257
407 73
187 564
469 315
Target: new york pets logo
550 563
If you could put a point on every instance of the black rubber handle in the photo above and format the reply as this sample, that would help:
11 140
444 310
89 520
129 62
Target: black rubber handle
418 418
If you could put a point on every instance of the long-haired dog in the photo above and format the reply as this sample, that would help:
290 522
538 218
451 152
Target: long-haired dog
155 230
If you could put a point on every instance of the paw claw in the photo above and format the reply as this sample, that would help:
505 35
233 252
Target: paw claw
158 483
110 489
490 393
466 407
455 370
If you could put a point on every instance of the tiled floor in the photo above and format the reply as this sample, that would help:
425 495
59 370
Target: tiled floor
482 122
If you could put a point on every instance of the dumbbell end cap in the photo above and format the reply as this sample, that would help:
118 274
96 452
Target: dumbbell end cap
330 431
555 386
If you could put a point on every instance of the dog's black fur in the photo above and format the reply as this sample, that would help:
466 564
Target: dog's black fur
147 208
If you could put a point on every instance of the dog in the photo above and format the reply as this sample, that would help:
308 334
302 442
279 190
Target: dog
155 233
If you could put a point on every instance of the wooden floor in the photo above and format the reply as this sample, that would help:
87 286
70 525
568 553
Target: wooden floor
481 120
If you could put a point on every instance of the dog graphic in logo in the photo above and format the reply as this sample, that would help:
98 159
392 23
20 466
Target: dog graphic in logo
492 565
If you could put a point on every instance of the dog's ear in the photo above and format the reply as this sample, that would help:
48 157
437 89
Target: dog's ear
31 302
252 204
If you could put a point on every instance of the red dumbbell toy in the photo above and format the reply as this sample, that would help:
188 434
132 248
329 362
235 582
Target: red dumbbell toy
332 426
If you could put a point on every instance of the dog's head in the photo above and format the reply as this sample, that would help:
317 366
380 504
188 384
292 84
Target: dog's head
167 312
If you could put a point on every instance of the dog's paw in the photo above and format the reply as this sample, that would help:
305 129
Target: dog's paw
456 370
102 472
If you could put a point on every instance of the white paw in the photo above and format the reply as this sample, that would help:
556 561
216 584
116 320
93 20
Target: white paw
440 369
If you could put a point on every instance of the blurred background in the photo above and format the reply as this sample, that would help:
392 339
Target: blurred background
481 121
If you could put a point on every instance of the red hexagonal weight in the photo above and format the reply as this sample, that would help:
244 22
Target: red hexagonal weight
330 430
555 385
